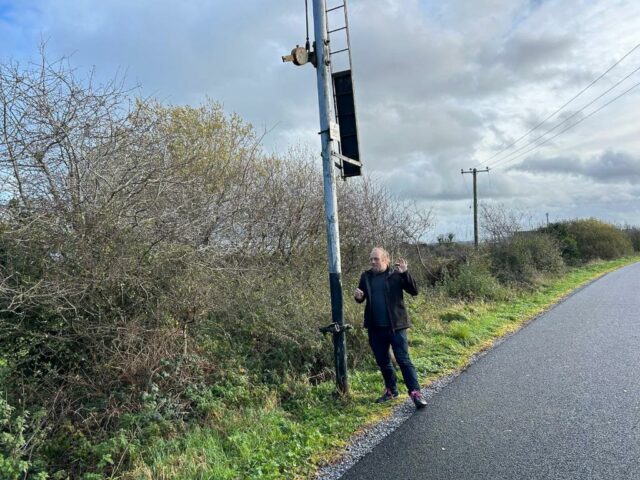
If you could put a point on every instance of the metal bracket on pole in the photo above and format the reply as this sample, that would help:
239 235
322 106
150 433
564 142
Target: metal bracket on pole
335 328
342 160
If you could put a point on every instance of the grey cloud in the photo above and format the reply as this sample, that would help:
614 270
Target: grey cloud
407 54
614 167
183 53
397 130
608 167
529 54
438 84
192 49
423 179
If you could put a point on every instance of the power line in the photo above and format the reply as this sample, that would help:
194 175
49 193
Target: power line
507 158
574 124
466 185
563 106
491 187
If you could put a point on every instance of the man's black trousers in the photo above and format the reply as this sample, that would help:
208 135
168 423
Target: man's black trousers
380 339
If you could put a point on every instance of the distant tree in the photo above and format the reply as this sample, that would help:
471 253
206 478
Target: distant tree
566 241
449 238
634 235
501 223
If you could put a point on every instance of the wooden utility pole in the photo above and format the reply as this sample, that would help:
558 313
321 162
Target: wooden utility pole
475 171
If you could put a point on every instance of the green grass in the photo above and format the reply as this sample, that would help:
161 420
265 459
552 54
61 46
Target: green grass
272 440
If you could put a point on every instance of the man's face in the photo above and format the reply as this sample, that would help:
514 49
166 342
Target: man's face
378 262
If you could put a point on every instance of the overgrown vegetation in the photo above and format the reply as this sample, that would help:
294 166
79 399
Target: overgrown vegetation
163 281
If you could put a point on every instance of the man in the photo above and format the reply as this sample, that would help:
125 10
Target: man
386 321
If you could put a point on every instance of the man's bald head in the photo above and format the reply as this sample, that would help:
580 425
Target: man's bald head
379 259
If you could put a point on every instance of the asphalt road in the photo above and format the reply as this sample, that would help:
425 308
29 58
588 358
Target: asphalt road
558 400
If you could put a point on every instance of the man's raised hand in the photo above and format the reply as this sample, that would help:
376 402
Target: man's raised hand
402 265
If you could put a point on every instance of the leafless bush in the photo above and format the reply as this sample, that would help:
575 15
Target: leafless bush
115 223
370 215
137 240
501 223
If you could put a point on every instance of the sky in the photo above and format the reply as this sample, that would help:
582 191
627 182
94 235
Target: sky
440 87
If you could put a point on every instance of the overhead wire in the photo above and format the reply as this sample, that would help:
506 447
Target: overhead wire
565 105
574 124
490 177
466 184
508 157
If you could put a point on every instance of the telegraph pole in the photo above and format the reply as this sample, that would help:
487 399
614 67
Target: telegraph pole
339 140
475 171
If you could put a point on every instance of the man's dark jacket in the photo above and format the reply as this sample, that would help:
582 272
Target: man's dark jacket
394 285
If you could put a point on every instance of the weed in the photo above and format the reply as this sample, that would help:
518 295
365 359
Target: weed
449 317
464 333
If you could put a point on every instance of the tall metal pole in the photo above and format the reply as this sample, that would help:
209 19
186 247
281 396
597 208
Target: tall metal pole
475 202
325 89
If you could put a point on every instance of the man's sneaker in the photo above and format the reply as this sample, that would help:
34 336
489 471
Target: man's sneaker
387 395
418 401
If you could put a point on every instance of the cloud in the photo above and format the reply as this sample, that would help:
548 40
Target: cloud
439 86
608 167
536 55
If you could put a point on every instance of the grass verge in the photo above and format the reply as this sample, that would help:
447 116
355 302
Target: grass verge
253 435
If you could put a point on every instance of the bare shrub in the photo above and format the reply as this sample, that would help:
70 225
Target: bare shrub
370 215
501 223
113 241
147 250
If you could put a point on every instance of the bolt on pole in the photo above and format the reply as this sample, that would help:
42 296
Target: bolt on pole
475 171
325 96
